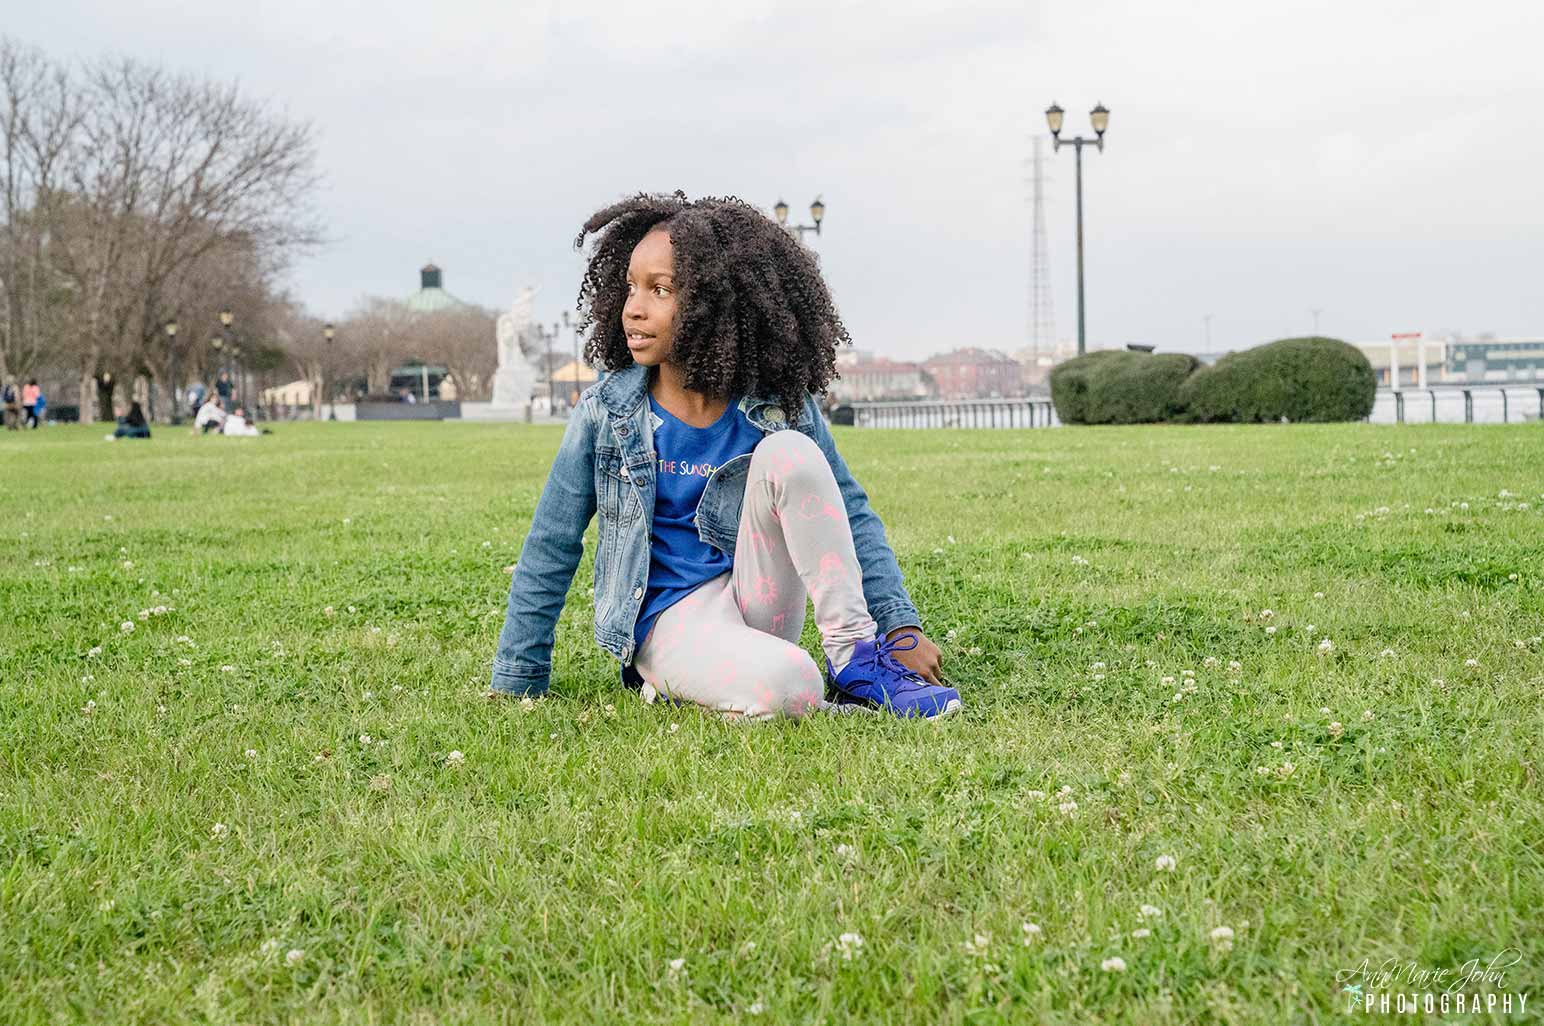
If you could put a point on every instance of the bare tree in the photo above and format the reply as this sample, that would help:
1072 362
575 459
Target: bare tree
462 338
39 116
376 336
161 175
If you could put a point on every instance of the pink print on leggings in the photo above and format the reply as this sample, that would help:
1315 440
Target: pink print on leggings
814 507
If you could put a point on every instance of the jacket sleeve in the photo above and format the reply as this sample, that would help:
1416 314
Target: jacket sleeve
549 556
883 587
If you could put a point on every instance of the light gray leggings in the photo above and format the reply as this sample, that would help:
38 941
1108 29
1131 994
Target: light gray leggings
733 643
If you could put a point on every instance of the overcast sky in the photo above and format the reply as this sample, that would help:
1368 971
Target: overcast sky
1379 161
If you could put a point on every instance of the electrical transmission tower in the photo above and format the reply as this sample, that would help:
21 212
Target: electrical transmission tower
1042 317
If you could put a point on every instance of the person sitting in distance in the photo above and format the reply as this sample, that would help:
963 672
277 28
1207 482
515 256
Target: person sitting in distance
210 417
131 425
236 424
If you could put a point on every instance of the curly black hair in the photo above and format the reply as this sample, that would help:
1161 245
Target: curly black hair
754 314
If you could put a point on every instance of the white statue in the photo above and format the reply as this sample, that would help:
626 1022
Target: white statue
516 376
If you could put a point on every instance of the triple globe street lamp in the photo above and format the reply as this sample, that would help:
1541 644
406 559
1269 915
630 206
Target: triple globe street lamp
1099 117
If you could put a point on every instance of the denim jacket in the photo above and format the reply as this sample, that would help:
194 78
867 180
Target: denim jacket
606 463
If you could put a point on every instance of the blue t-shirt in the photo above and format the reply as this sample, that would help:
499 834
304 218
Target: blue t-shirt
680 561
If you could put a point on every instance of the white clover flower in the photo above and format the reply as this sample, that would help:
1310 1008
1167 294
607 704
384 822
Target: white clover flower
1285 770
951 635
365 739
1234 666
88 708
1068 807
1141 933
127 626
795 816
1165 863
1167 682
1262 771
1336 729
1209 662
268 947
455 759
329 611
1309 629
1032 932
527 703
1519 643
847 853
184 661
294 956
1275 744
128 564
1266 614
251 753
1097 667
1271 629
1222 936
219 830
978 944
1149 912
94 651
1387 653
1324 710
227 668
1326 646
1034 796
144 614
1318 594
674 727
850 945
1471 662
1366 715
367 695
1113 965
951 539
755 1008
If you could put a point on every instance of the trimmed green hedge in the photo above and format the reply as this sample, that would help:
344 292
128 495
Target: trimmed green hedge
1298 379
1315 380
1120 387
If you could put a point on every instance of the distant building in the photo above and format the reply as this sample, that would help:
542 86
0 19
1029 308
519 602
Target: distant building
1495 359
873 379
973 373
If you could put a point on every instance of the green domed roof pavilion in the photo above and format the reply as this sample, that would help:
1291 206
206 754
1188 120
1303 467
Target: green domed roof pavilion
431 295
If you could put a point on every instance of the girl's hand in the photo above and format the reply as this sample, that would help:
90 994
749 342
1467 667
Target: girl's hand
924 659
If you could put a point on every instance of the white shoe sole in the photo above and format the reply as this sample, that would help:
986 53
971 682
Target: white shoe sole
954 705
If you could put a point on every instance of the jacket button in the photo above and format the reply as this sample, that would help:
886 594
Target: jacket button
637 593
624 471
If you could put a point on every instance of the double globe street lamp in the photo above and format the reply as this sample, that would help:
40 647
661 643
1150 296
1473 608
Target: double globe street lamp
1099 117
817 214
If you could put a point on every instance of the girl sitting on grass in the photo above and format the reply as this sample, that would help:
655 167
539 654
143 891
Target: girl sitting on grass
723 501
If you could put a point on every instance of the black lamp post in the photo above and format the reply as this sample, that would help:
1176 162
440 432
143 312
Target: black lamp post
171 344
817 214
327 335
575 394
1100 119
227 318
551 395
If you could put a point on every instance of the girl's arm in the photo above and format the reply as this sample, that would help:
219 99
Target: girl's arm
548 559
888 601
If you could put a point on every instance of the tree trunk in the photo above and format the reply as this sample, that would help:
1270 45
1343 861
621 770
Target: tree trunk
104 394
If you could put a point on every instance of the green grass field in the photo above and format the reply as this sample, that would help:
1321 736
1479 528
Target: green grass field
244 808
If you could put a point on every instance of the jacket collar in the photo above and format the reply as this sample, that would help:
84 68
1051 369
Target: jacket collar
622 393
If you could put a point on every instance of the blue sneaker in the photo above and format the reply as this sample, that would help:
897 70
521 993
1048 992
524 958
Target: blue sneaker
876 678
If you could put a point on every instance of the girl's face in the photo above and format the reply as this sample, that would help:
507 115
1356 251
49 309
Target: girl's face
649 315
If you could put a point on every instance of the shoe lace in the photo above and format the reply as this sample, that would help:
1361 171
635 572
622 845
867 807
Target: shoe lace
884 650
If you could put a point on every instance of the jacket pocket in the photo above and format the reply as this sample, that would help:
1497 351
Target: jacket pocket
615 496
